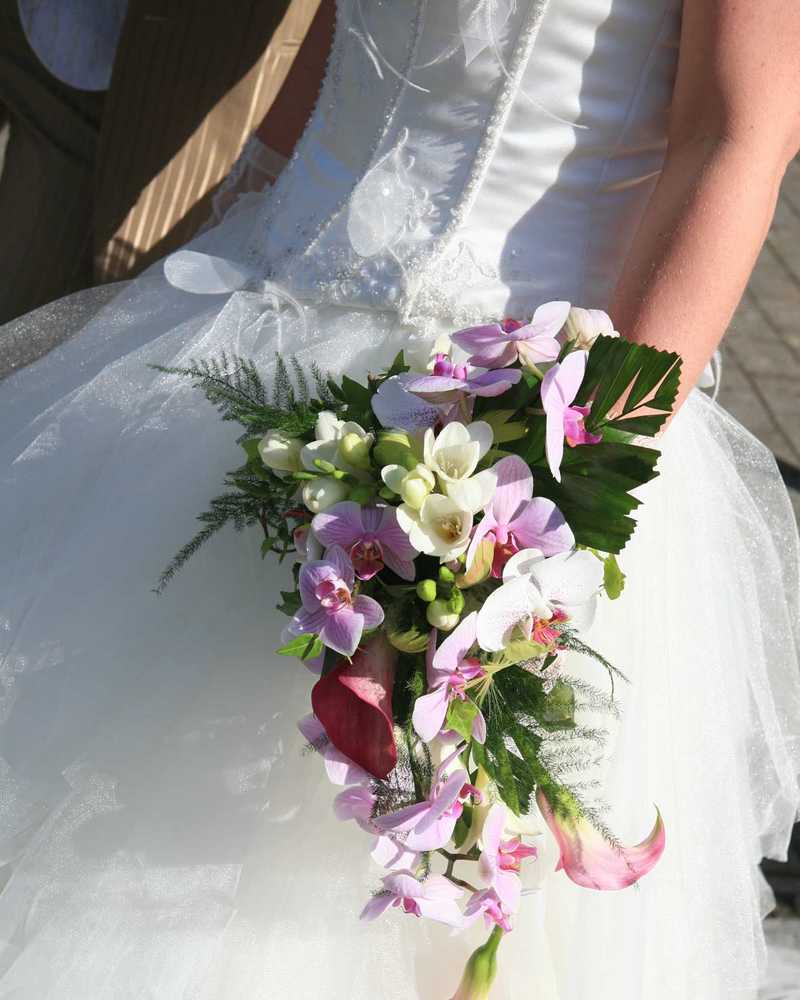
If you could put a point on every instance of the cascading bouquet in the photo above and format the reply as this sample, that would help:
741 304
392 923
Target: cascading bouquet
448 555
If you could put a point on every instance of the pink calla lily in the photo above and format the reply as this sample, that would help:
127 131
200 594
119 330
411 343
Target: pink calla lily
514 520
435 898
564 421
500 344
588 859
450 669
354 704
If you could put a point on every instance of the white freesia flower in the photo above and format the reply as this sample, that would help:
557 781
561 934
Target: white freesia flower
584 326
330 433
323 492
454 456
536 591
412 485
439 528
280 452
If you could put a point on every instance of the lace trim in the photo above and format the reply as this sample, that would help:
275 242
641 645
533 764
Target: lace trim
428 296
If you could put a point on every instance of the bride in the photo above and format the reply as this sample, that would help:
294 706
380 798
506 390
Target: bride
163 834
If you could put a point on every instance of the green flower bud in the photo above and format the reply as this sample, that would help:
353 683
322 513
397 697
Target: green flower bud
456 602
323 466
446 575
426 590
441 616
395 447
354 449
479 975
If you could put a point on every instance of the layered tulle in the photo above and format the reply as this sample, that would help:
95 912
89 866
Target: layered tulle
163 831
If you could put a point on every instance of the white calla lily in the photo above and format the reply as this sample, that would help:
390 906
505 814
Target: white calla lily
535 590
439 528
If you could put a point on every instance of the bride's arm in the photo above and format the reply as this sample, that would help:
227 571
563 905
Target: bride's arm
734 127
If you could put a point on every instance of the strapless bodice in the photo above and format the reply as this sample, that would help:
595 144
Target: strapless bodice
475 157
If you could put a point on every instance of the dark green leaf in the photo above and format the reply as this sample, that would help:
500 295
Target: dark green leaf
460 716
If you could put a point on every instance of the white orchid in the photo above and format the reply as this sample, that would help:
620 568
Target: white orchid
584 326
336 440
454 455
412 485
441 527
538 593
280 452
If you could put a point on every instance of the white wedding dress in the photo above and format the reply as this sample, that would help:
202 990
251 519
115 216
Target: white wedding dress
164 837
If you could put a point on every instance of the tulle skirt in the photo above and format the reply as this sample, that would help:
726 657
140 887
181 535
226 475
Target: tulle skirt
163 833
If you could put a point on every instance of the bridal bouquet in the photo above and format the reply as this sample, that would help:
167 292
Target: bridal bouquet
451 532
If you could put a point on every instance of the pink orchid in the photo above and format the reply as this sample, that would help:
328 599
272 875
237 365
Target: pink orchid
450 669
389 854
515 521
396 407
559 388
449 383
498 345
588 859
370 535
354 704
487 903
435 898
356 802
340 769
501 860
330 609
429 825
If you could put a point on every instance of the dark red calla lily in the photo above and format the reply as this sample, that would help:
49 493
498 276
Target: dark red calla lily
354 704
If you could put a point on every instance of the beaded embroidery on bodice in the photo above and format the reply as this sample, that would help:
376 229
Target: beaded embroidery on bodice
458 165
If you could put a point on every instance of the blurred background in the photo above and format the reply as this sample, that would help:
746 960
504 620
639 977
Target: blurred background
126 125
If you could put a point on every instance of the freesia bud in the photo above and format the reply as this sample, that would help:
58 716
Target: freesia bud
440 615
280 452
426 590
395 447
446 575
354 449
584 326
323 493
481 970
414 486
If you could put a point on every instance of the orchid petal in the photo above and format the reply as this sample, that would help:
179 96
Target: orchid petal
342 631
339 525
551 315
541 524
429 713
396 408
445 797
494 383
455 647
510 605
479 728
514 487
389 854
377 905
569 578
369 609
404 568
